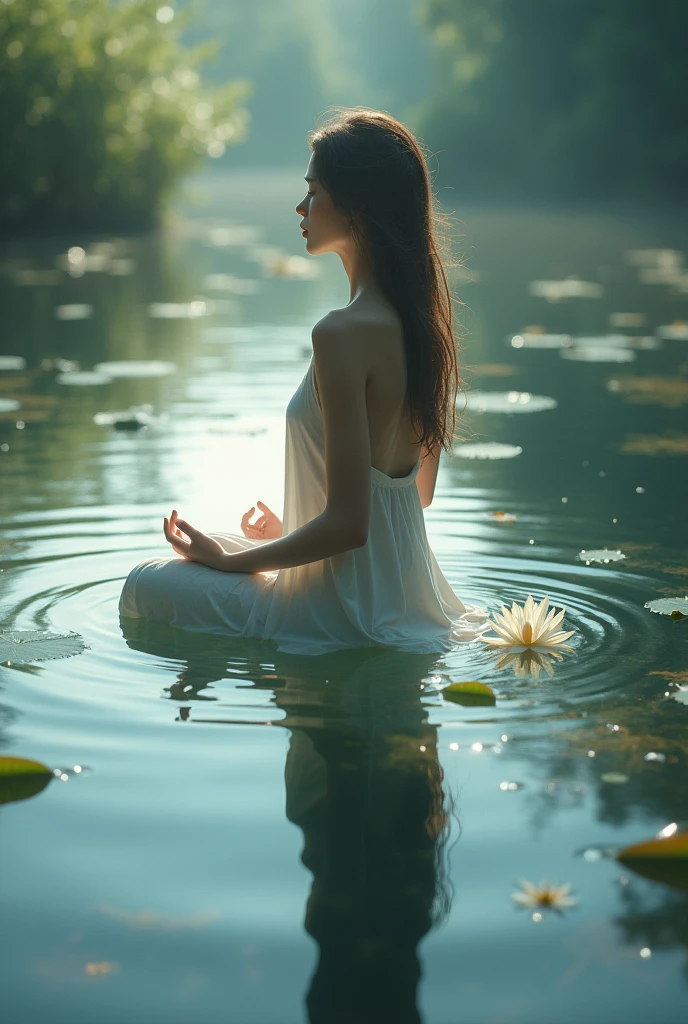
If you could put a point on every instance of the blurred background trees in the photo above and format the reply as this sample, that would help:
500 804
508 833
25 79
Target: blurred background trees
103 109
578 98
101 113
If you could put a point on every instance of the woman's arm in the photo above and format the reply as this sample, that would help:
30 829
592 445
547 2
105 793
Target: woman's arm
427 474
338 359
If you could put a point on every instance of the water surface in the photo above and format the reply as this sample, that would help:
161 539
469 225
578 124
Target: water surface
271 839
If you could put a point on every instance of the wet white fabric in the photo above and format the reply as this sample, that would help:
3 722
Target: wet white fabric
390 592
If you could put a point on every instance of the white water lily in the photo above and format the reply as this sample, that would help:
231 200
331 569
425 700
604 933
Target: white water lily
551 897
529 627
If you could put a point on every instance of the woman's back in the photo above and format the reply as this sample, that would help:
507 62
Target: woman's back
394 444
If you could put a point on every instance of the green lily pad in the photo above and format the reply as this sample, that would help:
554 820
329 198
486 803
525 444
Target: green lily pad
22 646
470 694
662 860
21 778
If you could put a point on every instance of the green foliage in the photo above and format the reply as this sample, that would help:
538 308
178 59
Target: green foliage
102 113
577 97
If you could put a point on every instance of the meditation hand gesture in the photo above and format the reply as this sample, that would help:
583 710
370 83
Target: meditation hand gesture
267 527
191 543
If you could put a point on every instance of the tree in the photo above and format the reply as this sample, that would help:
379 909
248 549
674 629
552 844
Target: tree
102 113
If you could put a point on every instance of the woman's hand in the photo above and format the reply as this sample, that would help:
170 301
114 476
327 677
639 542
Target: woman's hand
195 546
267 527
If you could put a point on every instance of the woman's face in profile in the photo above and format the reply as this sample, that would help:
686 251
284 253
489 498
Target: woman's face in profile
326 228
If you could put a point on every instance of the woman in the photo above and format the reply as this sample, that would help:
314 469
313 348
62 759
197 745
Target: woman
351 565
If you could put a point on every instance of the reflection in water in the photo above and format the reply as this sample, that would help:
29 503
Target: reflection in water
364 784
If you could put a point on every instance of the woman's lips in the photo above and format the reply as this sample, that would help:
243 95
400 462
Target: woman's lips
304 233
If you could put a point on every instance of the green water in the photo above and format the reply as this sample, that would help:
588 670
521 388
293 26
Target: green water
259 838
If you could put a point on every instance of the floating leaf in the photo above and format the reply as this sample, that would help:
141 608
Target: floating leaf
74 311
653 444
494 370
614 778
487 450
538 339
12 363
627 319
569 288
83 378
668 606
508 402
136 368
678 331
21 778
602 555
22 646
470 694
136 418
670 392
180 310
662 860
603 354
503 517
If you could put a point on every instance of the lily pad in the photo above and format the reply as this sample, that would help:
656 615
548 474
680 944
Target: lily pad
74 311
138 417
601 555
23 646
673 332
662 860
83 378
537 339
669 606
9 405
601 354
180 310
470 694
136 368
508 402
21 778
569 288
614 778
655 444
487 450
670 392
12 363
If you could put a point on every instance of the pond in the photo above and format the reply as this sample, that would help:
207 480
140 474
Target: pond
269 838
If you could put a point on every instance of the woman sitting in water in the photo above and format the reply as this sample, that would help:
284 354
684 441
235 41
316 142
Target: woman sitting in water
351 565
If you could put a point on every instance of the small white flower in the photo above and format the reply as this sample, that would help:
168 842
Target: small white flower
530 627
551 897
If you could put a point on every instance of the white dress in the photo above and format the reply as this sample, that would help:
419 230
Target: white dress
390 592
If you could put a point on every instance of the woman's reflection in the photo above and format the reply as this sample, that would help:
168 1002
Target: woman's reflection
365 786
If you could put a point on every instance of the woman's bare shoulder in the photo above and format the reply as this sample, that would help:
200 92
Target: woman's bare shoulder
373 319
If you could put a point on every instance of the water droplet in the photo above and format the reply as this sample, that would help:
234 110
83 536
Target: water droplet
564 501
668 830
453 746
654 756
640 490
422 748
591 753
477 747
615 520
601 473
537 917
531 541
646 952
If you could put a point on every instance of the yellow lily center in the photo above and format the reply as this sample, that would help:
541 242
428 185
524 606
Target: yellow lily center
527 633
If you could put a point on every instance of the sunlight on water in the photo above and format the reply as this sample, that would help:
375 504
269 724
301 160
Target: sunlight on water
229 830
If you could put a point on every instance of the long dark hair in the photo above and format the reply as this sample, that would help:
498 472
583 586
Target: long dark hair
376 174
